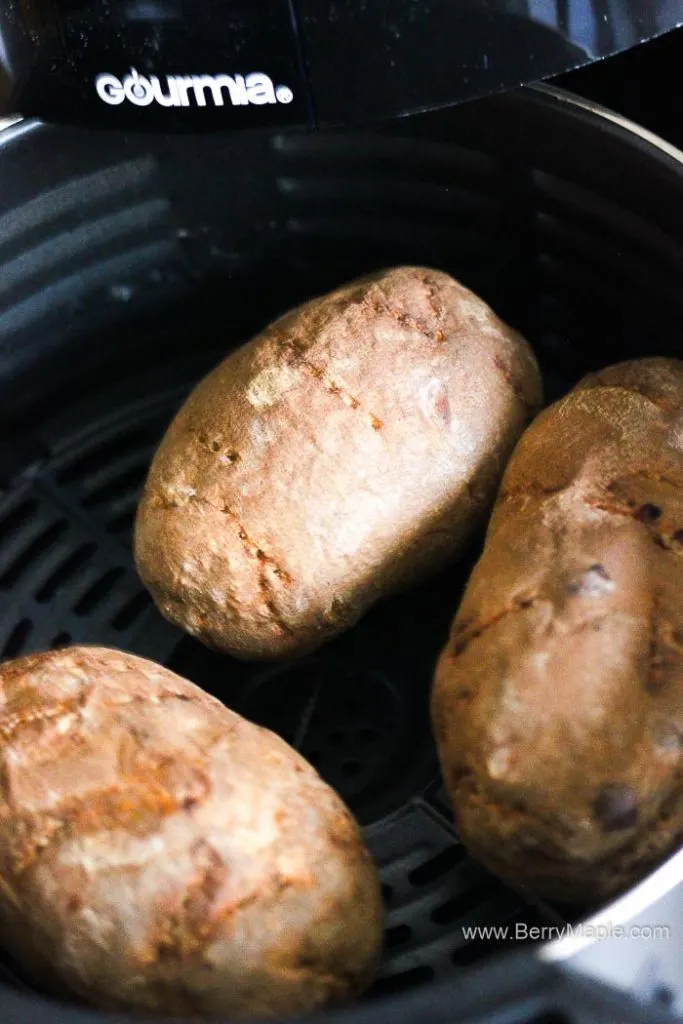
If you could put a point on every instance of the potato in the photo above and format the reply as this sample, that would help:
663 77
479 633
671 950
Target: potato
160 854
558 701
343 454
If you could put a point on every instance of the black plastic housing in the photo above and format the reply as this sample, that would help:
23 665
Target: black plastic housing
240 64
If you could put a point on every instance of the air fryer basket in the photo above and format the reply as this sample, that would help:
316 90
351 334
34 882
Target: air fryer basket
118 254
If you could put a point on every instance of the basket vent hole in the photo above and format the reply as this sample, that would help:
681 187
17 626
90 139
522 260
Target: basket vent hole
399 935
454 909
438 866
14 572
131 611
61 640
66 572
474 951
18 517
123 523
17 639
387 893
401 982
97 593
367 735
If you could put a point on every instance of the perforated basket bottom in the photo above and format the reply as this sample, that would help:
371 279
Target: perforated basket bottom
358 710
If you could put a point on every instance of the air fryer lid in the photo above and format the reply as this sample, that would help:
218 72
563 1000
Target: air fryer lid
162 65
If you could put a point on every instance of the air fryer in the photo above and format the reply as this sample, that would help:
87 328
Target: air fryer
119 254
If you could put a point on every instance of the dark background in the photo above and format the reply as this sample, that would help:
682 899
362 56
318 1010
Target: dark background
645 84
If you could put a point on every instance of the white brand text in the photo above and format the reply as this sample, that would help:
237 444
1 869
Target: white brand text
256 89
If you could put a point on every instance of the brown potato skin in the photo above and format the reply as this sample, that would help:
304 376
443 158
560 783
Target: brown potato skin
160 854
343 454
558 701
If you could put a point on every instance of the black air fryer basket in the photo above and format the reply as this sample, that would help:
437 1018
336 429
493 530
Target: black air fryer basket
120 258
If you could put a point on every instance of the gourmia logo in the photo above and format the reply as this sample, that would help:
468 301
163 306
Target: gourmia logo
191 90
